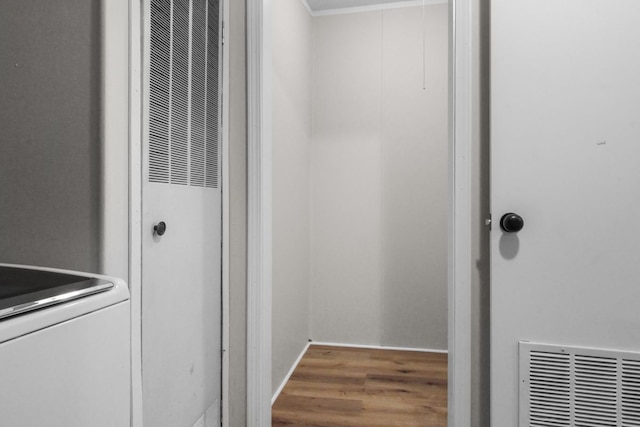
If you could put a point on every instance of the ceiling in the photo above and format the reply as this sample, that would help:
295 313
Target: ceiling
319 5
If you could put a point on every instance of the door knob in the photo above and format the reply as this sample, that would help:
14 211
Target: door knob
511 223
160 228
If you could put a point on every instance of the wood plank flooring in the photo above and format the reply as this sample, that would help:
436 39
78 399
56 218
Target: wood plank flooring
344 386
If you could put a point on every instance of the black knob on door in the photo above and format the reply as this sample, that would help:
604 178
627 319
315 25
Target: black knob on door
160 228
511 223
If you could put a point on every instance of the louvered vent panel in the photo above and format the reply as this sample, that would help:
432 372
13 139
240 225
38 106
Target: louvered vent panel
180 93
550 383
581 387
198 91
213 114
159 80
183 92
596 387
630 393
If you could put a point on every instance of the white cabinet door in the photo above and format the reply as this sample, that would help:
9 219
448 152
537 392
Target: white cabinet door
565 95
181 258
72 374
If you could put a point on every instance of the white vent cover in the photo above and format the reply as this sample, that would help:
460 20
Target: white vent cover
578 387
183 88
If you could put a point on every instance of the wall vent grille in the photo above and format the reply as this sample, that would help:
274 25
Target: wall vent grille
183 104
578 387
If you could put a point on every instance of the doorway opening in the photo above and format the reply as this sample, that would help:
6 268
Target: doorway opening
360 206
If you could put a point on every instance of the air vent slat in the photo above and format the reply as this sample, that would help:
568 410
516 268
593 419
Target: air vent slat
560 419
159 77
595 401
199 96
593 411
548 406
550 393
213 99
550 377
543 421
548 411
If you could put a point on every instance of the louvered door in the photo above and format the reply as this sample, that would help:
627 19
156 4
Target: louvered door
181 264
565 156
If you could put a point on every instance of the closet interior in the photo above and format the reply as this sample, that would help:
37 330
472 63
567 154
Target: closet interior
360 181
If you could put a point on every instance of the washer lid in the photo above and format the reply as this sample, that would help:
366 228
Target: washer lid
23 290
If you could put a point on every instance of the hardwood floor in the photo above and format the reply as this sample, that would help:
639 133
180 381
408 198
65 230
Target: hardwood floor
343 386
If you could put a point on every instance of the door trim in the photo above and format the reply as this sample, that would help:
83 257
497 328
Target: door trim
135 205
226 220
460 210
259 213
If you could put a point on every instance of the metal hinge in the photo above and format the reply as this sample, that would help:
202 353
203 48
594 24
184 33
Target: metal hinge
487 222
222 33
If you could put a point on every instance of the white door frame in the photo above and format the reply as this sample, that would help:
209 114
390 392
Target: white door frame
259 213
121 165
135 205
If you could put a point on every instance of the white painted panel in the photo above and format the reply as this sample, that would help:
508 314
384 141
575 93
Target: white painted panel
74 374
181 270
565 149
292 71
181 330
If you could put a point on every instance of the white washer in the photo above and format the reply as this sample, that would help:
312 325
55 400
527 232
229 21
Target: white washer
64 349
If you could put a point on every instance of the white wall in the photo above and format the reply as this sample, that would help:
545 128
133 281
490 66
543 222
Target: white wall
346 179
414 178
379 178
292 61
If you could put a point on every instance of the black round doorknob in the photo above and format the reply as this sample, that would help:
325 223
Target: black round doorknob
511 222
160 228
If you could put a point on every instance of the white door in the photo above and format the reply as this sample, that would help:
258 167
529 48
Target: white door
565 95
181 265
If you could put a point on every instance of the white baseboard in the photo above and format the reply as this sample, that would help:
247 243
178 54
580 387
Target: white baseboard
380 347
286 378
